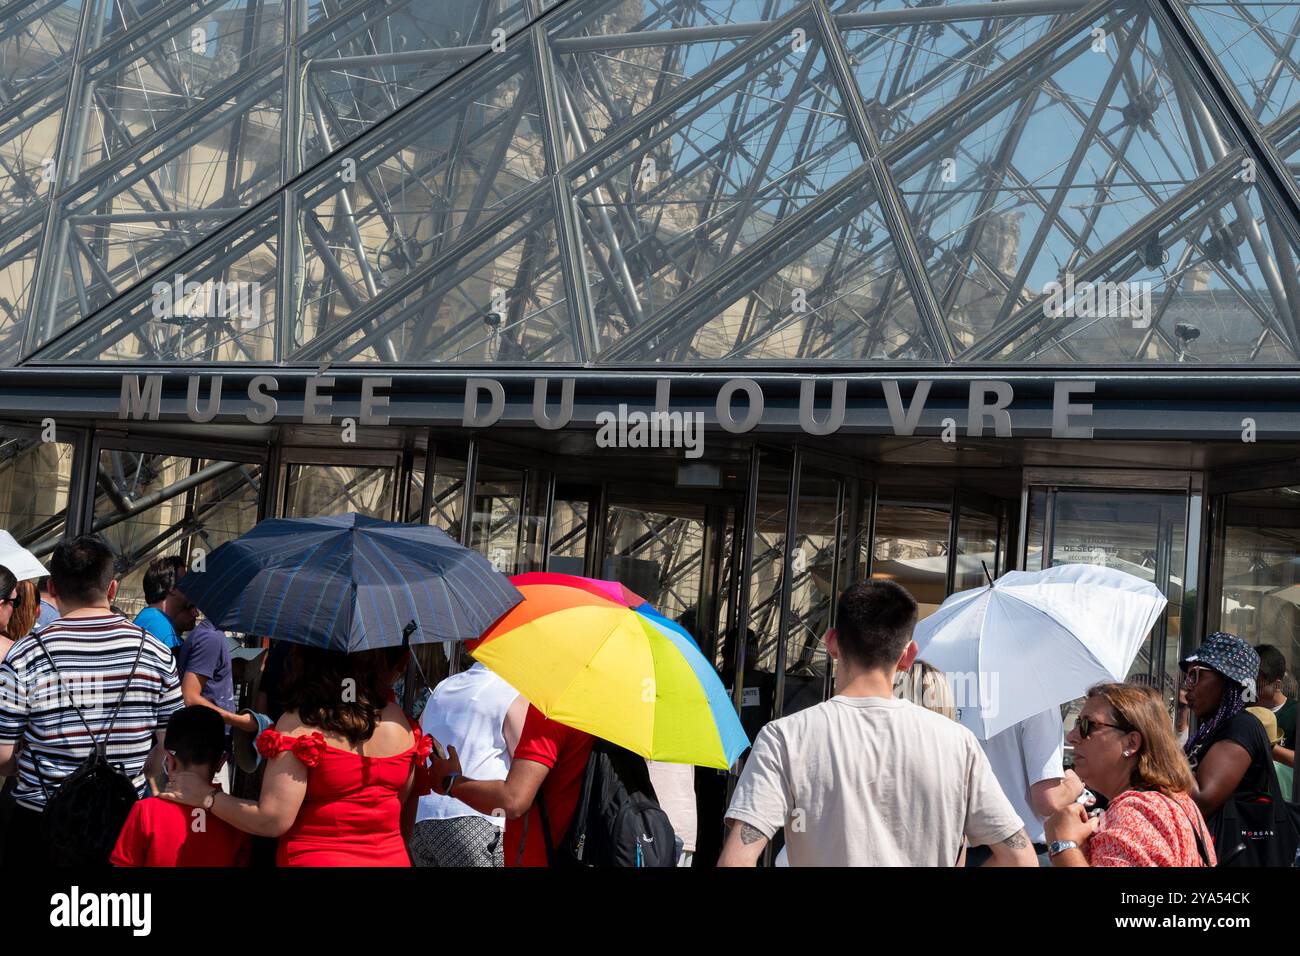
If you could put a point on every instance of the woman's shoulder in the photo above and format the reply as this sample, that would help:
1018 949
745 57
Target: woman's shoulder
1245 729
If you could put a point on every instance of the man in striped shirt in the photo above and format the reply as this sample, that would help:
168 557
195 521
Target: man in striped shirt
42 738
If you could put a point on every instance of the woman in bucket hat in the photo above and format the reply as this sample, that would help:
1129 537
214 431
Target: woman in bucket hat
1229 752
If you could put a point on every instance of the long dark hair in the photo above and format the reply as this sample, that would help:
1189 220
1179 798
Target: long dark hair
341 693
1231 703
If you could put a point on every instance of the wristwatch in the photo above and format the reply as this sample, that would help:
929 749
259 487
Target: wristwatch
1060 846
210 799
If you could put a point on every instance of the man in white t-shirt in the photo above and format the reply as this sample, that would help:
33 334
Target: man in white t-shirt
480 715
1027 758
867 779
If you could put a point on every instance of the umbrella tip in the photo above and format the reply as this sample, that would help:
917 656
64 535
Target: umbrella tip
986 572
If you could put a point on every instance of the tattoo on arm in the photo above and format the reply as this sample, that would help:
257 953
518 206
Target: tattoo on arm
1017 841
750 834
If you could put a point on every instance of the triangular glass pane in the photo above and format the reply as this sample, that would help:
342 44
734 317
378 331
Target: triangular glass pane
164 197
702 186
831 291
180 64
907 72
29 134
217 306
1255 41
614 60
37 42
497 298
18 254
384 210
362 67
1218 285
1057 159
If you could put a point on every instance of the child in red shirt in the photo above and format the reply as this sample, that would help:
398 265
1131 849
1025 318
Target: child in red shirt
161 833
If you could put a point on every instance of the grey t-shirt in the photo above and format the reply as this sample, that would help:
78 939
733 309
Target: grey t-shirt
872 781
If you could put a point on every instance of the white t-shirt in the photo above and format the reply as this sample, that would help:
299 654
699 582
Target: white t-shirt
1024 754
871 781
467 711
674 785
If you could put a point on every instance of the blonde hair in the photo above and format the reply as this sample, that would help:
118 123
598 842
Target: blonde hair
925 685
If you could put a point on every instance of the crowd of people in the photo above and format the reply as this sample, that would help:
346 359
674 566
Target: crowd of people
881 774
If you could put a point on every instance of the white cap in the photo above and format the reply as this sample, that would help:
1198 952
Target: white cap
19 560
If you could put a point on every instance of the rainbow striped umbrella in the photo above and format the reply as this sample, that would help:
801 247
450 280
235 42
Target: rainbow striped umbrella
577 650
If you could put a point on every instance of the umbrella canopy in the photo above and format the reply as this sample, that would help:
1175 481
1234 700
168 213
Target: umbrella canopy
1036 639
628 675
349 583
19 560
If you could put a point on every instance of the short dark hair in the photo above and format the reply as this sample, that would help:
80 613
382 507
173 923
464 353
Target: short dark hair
197 736
874 622
162 576
1272 663
82 569
8 581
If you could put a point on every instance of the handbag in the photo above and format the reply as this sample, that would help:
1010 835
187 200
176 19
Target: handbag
1257 829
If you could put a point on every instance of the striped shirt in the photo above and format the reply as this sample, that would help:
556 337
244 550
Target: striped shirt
94 657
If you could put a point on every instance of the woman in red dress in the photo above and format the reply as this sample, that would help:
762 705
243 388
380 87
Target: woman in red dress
341 763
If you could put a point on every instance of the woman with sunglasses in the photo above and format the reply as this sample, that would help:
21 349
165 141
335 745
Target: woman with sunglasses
1125 750
1229 752
12 619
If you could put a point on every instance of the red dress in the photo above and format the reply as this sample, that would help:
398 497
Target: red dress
351 815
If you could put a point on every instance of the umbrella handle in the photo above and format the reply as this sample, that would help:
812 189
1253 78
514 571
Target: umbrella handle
985 565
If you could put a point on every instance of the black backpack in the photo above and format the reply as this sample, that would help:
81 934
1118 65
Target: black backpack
84 814
618 820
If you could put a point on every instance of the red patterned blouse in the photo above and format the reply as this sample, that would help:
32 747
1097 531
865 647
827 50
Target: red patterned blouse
1147 828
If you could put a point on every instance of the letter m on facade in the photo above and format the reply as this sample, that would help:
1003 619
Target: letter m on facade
136 404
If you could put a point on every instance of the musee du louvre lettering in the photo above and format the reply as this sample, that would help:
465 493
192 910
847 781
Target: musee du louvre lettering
484 403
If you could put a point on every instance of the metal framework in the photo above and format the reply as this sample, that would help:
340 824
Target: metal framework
649 182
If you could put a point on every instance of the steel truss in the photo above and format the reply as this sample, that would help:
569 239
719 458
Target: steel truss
649 181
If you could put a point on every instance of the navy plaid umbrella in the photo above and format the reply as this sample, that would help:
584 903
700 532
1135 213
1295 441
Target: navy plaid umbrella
349 583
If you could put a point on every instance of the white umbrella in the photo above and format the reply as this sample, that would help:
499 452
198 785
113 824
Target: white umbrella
18 559
1036 639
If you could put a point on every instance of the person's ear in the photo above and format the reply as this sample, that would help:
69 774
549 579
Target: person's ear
832 644
169 761
112 590
1132 743
909 657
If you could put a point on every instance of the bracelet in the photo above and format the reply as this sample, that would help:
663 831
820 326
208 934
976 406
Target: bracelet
449 782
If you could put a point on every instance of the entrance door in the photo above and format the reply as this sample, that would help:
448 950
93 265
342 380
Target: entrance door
1142 532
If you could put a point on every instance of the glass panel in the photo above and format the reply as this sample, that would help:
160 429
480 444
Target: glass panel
35 478
812 597
152 505
313 490
977 546
1259 556
1141 533
1255 43
567 551
509 517
767 572
373 59
911 547
219 308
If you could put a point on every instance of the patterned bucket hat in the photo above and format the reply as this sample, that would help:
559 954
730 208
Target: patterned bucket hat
1230 656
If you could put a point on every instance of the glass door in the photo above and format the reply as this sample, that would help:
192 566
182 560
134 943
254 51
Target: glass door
1142 532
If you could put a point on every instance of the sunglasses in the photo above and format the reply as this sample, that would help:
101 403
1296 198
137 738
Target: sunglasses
1086 725
14 602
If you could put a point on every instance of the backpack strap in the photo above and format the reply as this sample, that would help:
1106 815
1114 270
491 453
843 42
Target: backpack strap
100 747
1196 831
546 828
